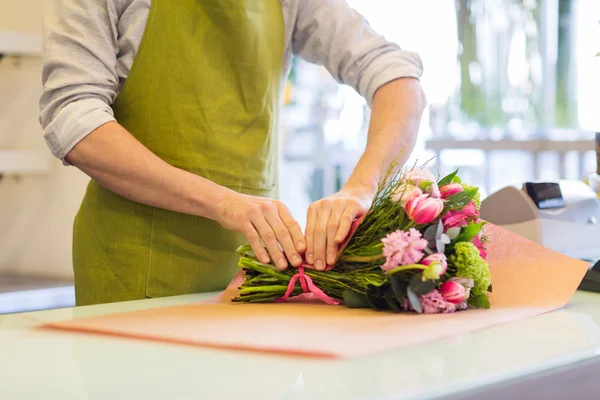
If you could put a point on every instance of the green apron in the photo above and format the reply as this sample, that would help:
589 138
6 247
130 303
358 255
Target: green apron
203 94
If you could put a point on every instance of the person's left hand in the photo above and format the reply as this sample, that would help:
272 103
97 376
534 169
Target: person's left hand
329 221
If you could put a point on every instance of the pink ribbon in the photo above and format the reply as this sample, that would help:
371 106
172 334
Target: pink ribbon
307 287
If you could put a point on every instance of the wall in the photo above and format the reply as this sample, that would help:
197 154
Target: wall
36 212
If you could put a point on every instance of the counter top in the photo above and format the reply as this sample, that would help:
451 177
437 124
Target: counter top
56 365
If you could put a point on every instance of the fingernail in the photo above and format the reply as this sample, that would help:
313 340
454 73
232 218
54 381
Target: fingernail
309 258
319 265
301 246
282 263
330 258
296 260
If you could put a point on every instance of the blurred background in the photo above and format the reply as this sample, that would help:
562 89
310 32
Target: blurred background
513 89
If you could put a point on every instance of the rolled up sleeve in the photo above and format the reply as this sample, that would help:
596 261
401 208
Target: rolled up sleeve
78 76
331 33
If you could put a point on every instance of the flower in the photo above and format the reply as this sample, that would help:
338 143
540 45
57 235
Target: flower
434 190
416 176
432 303
460 218
424 209
453 292
469 264
480 246
467 283
433 272
436 258
402 248
450 189
404 193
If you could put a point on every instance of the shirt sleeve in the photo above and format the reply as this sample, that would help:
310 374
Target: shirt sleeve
331 33
79 70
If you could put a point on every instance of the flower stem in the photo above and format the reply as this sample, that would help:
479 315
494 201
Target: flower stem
363 259
407 267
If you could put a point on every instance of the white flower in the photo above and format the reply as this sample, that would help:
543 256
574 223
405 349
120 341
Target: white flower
416 176
404 193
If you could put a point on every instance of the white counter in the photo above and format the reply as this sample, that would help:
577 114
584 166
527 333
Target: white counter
38 364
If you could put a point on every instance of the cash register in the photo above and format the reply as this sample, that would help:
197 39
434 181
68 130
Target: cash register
563 216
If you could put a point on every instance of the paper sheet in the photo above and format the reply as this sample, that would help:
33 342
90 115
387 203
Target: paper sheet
527 280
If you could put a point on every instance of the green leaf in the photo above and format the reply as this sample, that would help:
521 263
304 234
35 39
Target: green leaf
353 299
421 287
460 200
456 179
478 299
448 178
598 54
398 288
392 303
469 232
415 302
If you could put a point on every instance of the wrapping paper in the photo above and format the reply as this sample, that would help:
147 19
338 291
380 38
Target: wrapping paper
527 280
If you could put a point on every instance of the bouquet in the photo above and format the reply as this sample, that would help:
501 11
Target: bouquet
420 248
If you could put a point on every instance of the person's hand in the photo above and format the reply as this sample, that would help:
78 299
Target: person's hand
259 218
329 221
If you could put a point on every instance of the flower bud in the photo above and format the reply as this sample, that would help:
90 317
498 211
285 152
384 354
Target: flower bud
450 189
424 209
436 258
434 271
467 283
453 292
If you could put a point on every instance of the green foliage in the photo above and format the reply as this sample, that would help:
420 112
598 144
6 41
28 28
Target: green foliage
478 299
469 232
468 264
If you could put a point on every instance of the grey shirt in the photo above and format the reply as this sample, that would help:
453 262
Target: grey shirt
89 47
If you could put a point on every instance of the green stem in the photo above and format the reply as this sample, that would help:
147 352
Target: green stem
263 289
363 259
408 267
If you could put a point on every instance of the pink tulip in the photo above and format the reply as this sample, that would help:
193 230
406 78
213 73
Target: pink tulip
453 292
424 209
450 189
436 258
460 218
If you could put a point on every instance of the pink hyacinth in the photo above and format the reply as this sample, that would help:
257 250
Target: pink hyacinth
403 248
432 303
481 247
460 218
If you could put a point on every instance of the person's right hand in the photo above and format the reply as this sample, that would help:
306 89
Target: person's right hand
270 220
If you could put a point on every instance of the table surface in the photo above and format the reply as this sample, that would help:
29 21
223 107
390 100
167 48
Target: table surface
56 365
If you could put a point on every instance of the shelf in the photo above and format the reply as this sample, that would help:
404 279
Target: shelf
15 43
24 162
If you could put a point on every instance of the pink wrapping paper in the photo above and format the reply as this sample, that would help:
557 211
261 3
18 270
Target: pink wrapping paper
527 280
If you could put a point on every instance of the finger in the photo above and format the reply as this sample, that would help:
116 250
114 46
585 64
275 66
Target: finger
268 236
283 236
320 235
293 228
254 240
332 229
311 220
346 221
